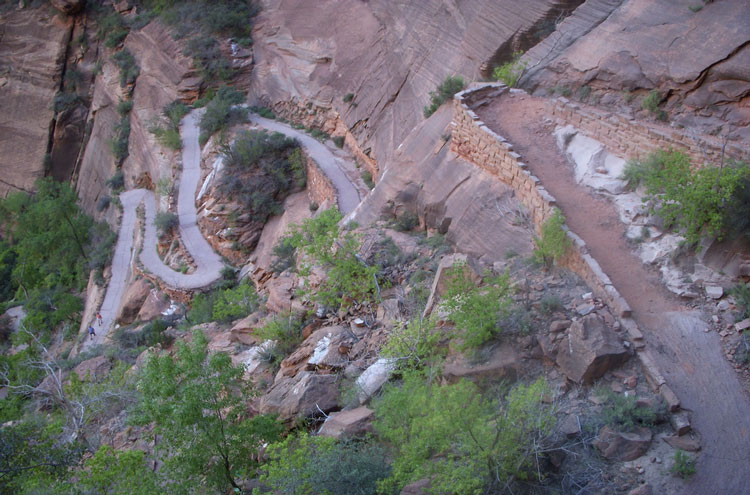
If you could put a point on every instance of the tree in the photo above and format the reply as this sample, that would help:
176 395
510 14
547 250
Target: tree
463 443
349 277
117 472
307 465
197 402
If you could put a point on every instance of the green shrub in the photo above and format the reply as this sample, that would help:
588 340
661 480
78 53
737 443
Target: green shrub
208 58
584 92
129 70
320 135
695 201
554 242
549 304
406 221
415 345
444 92
367 179
65 101
165 221
339 141
236 303
510 72
120 141
741 293
220 112
285 254
475 310
103 203
112 29
737 212
124 107
349 278
117 181
683 465
175 111
304 464
462 442
651 101
263 112
623 412
348 97
168 137
151 334
285 330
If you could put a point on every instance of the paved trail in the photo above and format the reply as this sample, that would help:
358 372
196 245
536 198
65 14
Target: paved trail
690 359
208 263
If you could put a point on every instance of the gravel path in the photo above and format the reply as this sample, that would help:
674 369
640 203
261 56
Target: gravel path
690 358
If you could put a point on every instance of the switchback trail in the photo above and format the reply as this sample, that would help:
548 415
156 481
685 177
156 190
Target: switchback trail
690 358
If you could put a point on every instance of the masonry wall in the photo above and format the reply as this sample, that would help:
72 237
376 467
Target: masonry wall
632 139
319 186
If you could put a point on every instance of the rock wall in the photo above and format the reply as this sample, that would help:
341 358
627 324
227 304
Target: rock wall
33 43
319 187
389 54
475 142
631 138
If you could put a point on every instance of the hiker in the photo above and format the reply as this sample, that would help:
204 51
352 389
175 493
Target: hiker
99 318
91 332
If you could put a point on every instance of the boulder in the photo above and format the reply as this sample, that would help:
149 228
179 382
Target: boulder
370 381
355 422
685 442
299 359
303 395
154 305
93 369
591 349
254 361
327 352
714 291
559 326
132 301
623 446
505 362
281 292
243 330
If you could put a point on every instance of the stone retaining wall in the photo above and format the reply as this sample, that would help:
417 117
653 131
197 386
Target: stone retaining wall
319 186
475 142
632 139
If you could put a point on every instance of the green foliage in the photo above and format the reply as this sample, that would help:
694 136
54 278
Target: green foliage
406 221
695 201
129 70
444 92
307 465
220 112
30 455
168 133
165 221
112 29
231 18
554 242
197 402
367 178
623 412
119 142
510 72
683 466
263 112
124 107
475 310
549 304
235 303
117 472
168 137
651 101
285 329
285 254
339 141
461 442
209 59
349 278
415 345
741 293
150 335
737 213
348 97
117 181
65 101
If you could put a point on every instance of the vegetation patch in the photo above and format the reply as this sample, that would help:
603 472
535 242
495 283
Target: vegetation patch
553 244
167 128
444 92
221 112
510 72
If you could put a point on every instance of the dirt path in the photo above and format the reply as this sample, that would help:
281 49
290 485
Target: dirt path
689 358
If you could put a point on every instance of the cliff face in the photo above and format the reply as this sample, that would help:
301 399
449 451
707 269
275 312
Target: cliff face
33 45
388 54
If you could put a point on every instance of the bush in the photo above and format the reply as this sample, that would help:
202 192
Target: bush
314 464
339 141
510 72
263 112
444 92
285 330
208 58
112 29
124 107
415 345
651 101
406 221
367 178
695 201
475 310
65 101
463 443
168 137
165 221
119 143
151 334
129 70
285 254
683 465
348 97
554 242
741 293
103 203
320 135
220 112
623 412
236 303
117 181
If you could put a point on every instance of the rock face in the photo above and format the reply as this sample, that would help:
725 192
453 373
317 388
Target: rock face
623 446
354 422
133 300
313 52
32 53
68 6
592 349
93 369
156 303
505 363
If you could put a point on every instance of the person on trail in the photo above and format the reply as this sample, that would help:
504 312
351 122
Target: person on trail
99 318
91 332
